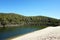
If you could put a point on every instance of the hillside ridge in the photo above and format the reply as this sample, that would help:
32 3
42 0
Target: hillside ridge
16 19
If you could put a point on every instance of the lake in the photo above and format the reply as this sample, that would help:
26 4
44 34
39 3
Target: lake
16 31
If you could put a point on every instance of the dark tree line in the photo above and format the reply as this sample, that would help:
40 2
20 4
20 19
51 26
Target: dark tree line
11 18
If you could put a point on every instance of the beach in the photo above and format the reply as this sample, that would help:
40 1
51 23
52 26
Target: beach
49 33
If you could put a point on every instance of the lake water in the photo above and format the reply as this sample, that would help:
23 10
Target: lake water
14 31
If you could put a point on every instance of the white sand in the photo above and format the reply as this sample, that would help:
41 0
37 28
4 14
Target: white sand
50 33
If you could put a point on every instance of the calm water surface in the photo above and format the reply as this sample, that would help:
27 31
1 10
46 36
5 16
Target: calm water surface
14 31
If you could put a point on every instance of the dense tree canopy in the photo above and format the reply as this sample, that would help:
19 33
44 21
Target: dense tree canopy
11 18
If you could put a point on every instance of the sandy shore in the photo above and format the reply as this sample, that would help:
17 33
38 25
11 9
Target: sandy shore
49 33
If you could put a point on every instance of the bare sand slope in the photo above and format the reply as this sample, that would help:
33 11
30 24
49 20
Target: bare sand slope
49 33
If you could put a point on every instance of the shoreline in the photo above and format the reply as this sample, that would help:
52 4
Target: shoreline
46 33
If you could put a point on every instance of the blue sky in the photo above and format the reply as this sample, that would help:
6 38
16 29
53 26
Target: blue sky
50 8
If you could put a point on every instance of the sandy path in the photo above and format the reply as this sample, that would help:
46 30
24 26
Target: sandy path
50 33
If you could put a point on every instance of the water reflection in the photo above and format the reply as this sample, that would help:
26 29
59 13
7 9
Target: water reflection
14 31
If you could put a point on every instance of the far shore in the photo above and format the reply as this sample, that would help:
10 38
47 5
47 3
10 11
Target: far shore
11 25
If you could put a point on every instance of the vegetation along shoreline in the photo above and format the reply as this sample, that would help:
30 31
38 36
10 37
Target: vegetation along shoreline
13 19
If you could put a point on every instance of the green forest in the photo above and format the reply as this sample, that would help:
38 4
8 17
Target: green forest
13 19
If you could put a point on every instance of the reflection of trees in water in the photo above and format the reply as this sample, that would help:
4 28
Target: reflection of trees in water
2 29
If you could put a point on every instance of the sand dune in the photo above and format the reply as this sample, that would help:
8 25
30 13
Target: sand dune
49 33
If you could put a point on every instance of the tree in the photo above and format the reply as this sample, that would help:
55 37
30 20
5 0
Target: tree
3 22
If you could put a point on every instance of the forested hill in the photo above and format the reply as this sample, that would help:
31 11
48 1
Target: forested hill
16 19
